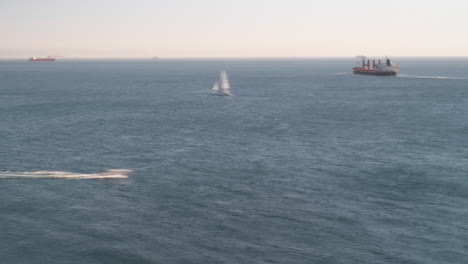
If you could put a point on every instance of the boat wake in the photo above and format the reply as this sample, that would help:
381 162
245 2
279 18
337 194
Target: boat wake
430 77
344 73
108 174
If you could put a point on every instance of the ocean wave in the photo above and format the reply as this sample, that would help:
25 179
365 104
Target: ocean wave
108 174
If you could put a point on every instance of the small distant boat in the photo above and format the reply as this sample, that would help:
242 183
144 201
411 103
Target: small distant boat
222 87
49 58
41 59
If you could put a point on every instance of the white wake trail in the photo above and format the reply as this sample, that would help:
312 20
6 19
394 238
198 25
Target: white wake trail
344 73
108 174
430 77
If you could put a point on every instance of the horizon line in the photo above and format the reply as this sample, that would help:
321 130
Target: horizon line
240 57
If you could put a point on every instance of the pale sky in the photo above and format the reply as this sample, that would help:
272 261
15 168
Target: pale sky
237 28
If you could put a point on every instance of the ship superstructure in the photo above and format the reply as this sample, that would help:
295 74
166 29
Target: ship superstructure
379 68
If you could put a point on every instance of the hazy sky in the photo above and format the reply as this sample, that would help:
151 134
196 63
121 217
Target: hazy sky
234 28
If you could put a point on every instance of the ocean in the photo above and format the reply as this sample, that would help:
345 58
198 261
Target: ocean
306 163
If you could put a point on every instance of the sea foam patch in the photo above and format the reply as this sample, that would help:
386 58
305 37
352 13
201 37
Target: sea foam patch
108 174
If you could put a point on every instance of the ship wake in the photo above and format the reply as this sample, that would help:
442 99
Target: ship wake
430 77
108 174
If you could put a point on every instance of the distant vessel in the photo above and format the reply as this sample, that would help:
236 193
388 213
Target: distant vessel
41 59
222 86
49 58
380 68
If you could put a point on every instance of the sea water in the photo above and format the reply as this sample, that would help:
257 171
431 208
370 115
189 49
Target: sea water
306 163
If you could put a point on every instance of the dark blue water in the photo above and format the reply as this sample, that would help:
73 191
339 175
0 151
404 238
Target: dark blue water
307 163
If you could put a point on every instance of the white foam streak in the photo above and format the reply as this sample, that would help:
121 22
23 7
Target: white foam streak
108 174
430 77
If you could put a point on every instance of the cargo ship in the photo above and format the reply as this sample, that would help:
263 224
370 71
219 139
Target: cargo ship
50 58
380 68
